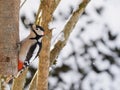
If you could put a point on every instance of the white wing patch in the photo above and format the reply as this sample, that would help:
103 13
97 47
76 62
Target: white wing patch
34 53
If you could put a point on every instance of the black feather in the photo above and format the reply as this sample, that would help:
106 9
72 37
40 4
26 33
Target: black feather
30 53
40 46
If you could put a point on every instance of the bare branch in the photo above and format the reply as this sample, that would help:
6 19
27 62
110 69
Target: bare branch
43 69
18 82
56 4
23 3
52 9
67 30
33 83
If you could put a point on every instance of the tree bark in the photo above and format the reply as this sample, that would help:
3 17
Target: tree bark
43 69
9 36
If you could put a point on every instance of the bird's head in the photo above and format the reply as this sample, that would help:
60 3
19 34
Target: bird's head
36 29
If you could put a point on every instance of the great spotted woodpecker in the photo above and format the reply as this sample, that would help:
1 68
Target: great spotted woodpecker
30 47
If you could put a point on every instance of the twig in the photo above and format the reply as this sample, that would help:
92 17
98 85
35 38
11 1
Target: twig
33 83
23 3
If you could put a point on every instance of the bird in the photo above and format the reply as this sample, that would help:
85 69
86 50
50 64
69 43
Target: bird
30 47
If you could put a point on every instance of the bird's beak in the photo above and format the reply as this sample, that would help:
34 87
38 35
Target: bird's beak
43 34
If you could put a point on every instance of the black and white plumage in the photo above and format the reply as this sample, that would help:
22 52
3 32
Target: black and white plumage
30 47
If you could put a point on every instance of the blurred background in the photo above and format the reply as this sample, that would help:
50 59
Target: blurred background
91 58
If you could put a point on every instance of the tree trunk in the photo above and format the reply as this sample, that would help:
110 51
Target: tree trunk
9 36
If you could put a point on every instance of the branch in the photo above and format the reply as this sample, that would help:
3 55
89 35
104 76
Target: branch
33 83
47 8
18 82
55 5
52 9
67 30
23 3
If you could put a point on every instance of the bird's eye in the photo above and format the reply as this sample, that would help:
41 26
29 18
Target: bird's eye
37 28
